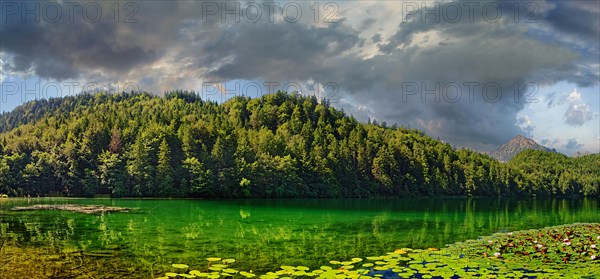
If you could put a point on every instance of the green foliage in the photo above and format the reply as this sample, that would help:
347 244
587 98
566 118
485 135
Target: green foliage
280 145
548 172
164 170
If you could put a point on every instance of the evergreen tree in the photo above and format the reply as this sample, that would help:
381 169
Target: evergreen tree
164 170
279 145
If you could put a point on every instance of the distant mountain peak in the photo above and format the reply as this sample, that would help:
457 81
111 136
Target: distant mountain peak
520 137
515 145
581 154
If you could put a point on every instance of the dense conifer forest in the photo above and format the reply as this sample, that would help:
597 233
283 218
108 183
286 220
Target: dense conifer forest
277 146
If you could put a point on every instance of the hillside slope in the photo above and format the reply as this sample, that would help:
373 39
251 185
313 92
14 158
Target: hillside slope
279 145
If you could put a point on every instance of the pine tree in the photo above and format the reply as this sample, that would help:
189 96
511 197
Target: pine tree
164 170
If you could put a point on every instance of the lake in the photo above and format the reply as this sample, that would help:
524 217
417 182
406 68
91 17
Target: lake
264 234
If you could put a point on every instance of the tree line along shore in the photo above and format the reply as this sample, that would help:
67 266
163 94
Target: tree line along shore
276 146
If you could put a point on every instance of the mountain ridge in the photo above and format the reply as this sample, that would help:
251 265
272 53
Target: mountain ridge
514 146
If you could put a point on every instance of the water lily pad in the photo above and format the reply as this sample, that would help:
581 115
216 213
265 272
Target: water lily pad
302 268
368 264
381 268
347 267
247 274
220 265
198 273
215 268
325 267
288 267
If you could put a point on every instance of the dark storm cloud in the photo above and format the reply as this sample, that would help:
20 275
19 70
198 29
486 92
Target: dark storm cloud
63 49
472 51
277 51
172 43
486 54
482 19
576 17
77 42
575 24
367 23
376 38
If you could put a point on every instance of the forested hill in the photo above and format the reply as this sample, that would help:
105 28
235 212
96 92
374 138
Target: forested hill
279 145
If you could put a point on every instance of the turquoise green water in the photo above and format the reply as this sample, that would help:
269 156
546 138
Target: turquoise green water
264 234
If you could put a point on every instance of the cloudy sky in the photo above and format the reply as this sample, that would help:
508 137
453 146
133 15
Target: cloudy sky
473 73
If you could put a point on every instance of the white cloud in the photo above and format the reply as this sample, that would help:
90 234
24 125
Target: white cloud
578 114
524 122
574 96
572 144
1 70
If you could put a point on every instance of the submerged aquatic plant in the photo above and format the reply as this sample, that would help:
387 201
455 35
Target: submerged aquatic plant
568 250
